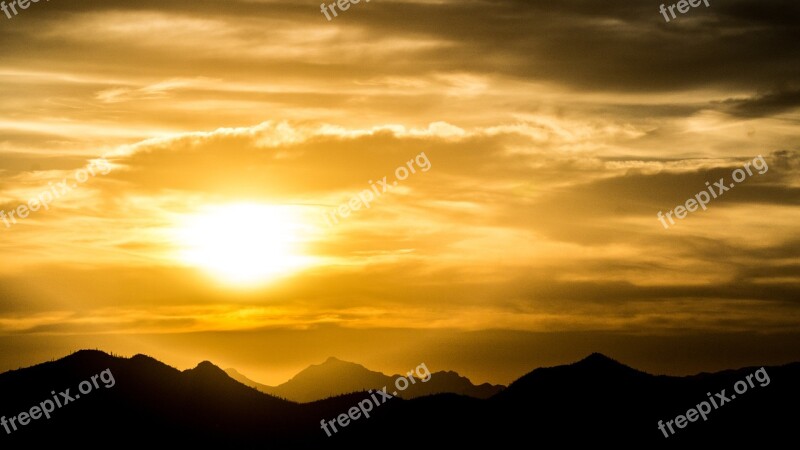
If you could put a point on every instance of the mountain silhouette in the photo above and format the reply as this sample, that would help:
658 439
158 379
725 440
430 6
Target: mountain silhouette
595 401
593 372
335 377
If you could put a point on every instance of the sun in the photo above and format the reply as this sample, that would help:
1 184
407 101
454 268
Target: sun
243 244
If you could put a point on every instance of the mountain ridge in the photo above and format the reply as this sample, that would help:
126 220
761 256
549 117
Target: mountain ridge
314 383
586 402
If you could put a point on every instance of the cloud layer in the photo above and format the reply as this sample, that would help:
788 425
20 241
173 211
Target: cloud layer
556 133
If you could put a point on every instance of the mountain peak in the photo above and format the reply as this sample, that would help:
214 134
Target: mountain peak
143 357
89 356
207 368
598 358
207 365
334 363
598 362
91 352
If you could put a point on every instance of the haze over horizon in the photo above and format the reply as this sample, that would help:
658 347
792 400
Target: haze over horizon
527 235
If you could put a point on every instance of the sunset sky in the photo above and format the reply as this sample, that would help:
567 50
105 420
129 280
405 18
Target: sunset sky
554 132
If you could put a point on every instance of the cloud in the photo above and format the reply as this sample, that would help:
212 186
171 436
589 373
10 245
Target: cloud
556 132
764 105
510 227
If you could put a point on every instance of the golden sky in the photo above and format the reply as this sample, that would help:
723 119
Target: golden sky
552 134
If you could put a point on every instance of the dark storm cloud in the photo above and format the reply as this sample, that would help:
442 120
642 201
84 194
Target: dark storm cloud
764 105
616 45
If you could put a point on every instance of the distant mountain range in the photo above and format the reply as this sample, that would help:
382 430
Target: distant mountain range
596 401
336 377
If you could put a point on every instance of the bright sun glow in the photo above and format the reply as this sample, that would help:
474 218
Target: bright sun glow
243 244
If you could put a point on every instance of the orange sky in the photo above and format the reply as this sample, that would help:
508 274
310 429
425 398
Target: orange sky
553 134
